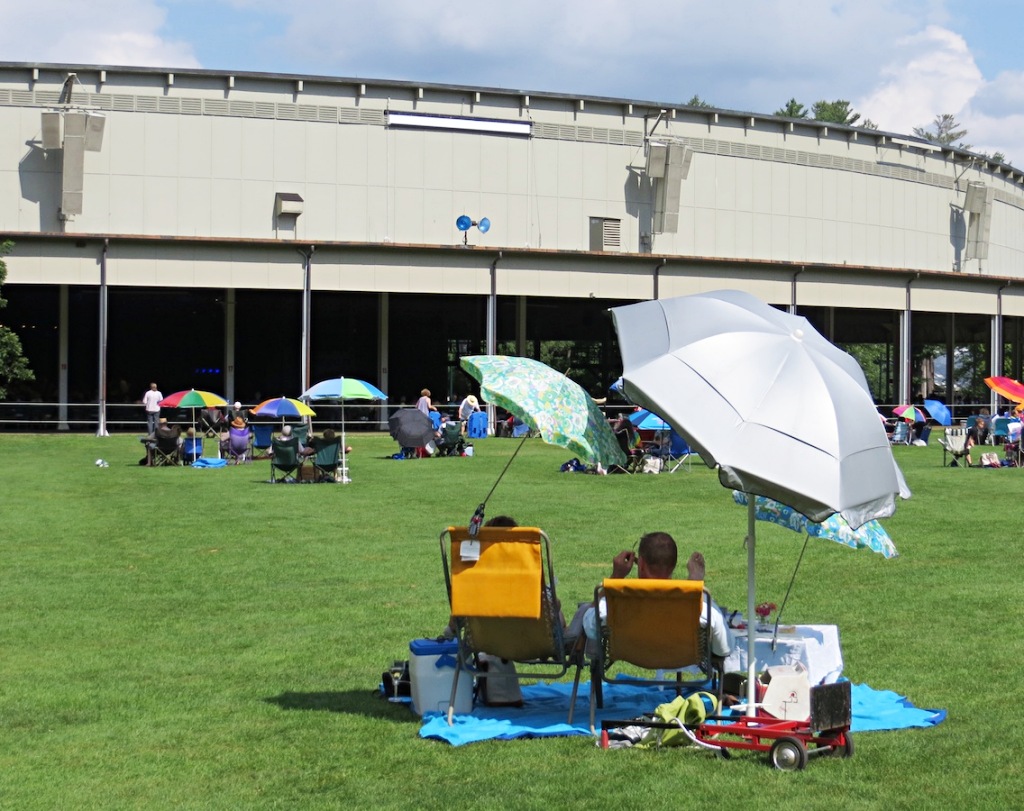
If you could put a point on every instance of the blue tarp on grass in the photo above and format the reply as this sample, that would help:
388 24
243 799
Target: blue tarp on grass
546 707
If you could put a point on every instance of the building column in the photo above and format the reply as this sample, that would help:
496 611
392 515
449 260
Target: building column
62 360
229 344
383 325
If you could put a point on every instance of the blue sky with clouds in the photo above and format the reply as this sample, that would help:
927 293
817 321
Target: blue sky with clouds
899 62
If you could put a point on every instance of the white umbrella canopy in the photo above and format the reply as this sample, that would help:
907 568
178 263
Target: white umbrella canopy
762 396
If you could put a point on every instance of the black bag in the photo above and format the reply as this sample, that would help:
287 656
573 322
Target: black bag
387 680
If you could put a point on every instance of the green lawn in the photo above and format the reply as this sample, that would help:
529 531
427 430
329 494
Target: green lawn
178 638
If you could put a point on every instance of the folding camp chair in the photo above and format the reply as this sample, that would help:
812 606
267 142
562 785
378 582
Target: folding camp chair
679 454
450 443
239 444
955 444
286 459
166 450
262 436
654 625
212 422
191 449
501 588
900 433
326 459
476 425
1000 430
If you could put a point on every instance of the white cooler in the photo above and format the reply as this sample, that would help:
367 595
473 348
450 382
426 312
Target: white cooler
431 670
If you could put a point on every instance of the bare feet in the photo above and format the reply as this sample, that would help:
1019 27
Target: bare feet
695 566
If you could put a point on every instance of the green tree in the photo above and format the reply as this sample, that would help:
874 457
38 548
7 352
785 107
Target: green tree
837 112
793 109
697 101
13 365
945 130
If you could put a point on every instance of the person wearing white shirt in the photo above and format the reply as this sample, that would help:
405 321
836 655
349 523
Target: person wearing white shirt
655 558
151 402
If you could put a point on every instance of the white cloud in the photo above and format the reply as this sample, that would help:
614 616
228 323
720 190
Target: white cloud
931 73
101 32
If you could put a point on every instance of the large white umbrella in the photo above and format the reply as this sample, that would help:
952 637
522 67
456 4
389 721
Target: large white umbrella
761 395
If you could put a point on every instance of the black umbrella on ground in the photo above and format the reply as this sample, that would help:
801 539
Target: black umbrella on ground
411 428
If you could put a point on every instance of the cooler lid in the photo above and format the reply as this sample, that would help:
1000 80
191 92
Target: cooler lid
431 647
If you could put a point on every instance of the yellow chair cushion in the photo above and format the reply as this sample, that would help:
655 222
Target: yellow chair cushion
505 580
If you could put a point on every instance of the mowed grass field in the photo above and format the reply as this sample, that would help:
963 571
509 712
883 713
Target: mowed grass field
179 638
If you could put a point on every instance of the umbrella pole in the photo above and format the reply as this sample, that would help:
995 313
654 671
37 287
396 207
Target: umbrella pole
344 459
751 622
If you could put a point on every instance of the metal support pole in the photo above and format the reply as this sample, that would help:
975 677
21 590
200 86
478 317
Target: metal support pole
229 344
101 429
62 360
492 330
307 297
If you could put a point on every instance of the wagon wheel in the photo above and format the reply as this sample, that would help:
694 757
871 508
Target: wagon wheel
844 749
788 754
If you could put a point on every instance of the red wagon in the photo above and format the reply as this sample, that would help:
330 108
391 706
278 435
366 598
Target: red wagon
789 743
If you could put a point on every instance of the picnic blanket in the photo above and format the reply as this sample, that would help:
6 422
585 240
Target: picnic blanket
546 706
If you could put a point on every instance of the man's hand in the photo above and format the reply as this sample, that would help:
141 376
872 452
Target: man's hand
622 563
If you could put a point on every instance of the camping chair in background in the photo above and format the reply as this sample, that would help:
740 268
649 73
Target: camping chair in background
900 433
476 425
925 435
166 451
285 459
262 436
326 460
450 443
191 449
654 625
954 443
301 433
239 444
212 422
679 454
1000 430
501 588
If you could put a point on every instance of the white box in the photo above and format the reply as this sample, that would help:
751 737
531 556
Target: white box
788 695
431 670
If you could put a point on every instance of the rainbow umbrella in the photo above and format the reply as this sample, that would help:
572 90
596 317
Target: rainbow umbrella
283 407
193 399
1006 387
343 388
910 413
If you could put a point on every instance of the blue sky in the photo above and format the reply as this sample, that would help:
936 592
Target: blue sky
899 62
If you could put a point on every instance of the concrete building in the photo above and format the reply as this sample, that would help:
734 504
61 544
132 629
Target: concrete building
252 233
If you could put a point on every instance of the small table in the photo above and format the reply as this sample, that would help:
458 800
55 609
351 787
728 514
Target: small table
816 647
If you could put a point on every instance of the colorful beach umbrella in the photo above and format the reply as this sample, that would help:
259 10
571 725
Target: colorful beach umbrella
193 398
283 407
342 389
910 413
870 535
1007 387
549 402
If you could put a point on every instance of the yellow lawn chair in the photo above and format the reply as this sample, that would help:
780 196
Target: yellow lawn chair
654 625
501 588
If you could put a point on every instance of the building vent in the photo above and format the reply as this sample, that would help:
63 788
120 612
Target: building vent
605 234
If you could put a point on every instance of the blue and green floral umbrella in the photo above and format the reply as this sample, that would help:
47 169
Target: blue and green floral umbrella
551 404
871 535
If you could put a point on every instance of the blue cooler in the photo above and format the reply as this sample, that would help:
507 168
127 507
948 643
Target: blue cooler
431 670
